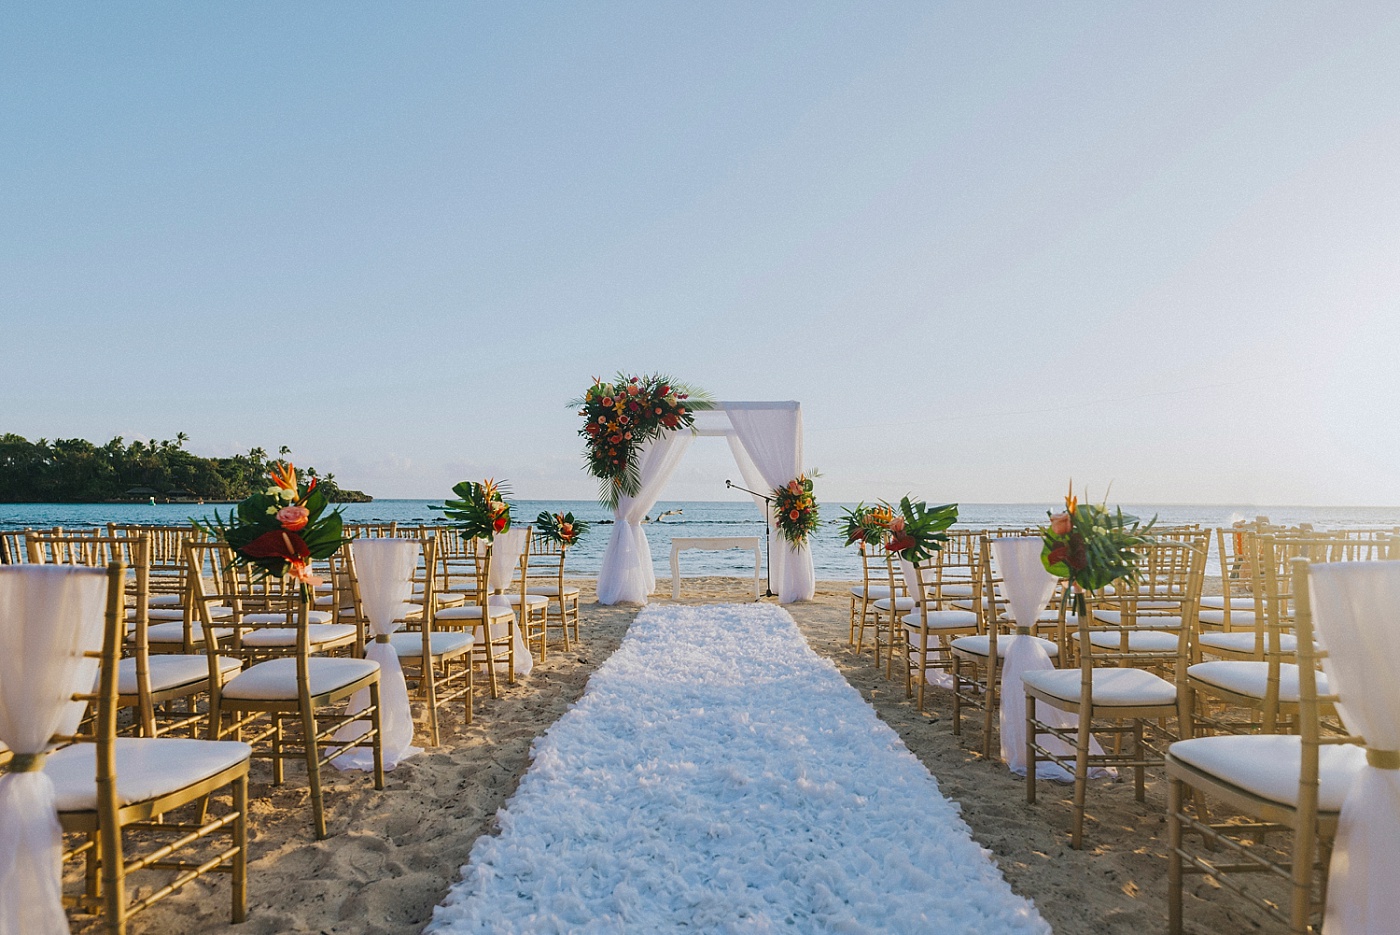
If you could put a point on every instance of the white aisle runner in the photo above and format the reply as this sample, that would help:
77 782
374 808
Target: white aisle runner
720 776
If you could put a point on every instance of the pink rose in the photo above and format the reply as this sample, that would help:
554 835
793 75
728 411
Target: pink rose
1060 524
293 518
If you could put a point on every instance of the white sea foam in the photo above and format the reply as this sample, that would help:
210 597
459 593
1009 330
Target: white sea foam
719 776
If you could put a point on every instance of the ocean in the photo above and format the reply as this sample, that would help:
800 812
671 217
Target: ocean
698 518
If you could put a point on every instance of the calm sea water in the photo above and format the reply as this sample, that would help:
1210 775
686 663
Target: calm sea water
832 561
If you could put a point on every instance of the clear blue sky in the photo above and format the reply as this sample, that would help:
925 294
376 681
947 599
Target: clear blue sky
986 245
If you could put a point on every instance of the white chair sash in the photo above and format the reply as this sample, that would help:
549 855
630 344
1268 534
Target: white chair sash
1028 588
1356 607
49 617
385 569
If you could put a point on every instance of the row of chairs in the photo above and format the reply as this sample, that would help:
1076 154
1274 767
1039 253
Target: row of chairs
247 668
1164 676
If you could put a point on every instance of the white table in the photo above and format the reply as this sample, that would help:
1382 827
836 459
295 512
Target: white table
714 544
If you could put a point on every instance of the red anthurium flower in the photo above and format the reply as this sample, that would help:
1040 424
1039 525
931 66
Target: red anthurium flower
1059 554
279 543
899 541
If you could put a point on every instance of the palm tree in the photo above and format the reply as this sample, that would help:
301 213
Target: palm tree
180 439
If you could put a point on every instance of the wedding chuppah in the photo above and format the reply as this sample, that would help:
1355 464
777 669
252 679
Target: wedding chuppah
766 441
719 775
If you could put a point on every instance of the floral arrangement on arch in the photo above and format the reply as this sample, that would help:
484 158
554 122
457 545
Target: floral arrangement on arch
560 528
1091 547
619 417
914 530
795 510
281 530
480 510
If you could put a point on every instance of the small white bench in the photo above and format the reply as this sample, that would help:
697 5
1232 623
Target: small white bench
714 544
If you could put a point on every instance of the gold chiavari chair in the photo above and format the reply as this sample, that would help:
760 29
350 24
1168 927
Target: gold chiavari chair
492 623
149 683
1114 683
284 682
1277 783
437 661
162 787
876 577
561 608
928 633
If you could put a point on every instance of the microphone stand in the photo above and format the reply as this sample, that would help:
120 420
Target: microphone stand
767 530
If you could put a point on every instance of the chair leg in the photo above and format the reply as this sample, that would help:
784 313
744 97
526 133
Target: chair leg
277 749
429 681
240 840
490 661
957 696
1030 749
990 707
471 687
375 722
1141 771
313 768
1174 881
1081 778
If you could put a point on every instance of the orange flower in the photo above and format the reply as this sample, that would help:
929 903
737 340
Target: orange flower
1071 501
284 475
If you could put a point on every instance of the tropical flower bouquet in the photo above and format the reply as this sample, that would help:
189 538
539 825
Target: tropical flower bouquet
480 510
1091 547
914 531
868 524
619 417
795 510
561 528
281 530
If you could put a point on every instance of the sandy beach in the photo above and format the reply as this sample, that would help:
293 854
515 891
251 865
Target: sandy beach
392 855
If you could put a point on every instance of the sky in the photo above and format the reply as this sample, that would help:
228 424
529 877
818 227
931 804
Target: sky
988 247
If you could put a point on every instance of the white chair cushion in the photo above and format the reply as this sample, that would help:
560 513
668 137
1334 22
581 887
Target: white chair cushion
551 590
876 592
1217 602
1142 621
312 616
1147 641
218 611
954 590
1250 678
276 679
319 634
410 645
1268 765
900 603
1110 687
163 600
532 600
1242 641
175 633
473 612
146 768
981 645
941 620
325 600
1238 618
171 670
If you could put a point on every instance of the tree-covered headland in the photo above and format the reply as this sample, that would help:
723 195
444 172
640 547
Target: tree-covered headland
74 470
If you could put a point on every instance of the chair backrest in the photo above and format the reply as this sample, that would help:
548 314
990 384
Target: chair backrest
13 551
1166 598
216 579
547 559
371 530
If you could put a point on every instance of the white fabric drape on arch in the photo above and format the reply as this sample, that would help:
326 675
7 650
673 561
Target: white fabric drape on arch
627 573
770 441
1357 610
49 617
385 569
